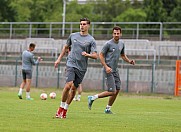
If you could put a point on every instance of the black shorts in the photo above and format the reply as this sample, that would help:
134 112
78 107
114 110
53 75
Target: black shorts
27 74
75 75
113 81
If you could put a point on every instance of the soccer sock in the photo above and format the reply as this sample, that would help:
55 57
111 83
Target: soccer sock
78 96
66 106
108 107
27 94
20 90
95 97
62 104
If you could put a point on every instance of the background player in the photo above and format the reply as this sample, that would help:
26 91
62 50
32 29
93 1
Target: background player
27 62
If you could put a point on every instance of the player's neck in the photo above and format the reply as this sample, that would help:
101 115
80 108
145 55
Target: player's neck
116 41
84 33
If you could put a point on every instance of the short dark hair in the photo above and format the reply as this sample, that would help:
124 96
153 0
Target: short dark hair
32 45
85 19
117 28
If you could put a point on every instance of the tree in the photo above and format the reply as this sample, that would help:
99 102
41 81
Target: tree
6 12
23 12
175 15
155 11
131 15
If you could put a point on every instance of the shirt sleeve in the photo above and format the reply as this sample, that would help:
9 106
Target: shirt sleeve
105 48
33 61
69 42
123 50
93 46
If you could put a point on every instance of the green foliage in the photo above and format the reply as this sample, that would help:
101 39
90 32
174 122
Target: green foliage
96 10
132 113
6 12
155 11
22 8
37 11
53 11
175 14
110 9
131 15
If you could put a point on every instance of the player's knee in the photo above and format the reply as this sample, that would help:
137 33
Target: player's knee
114 92
73 88
117 92
68 85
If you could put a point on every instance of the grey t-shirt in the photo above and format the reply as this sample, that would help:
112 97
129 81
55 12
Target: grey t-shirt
28 60
112 52
80 43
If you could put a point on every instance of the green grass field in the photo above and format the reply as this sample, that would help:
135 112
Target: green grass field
133 113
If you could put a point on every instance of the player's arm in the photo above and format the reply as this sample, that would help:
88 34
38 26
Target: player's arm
92 55
125 58
35 62
65 48
102 59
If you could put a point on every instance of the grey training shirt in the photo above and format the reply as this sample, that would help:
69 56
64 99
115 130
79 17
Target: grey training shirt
112 52
80 43
28 60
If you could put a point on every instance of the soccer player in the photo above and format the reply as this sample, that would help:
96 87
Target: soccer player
27 62
83 46
79 89
109 57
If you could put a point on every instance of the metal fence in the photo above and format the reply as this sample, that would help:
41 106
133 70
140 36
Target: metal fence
100 30
146 76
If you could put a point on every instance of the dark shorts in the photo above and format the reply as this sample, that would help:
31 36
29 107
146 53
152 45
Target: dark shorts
113 81
75 75
27 74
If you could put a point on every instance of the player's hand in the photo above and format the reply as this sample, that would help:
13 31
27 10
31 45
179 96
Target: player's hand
85 54
39 58
108 70
132 62
56 63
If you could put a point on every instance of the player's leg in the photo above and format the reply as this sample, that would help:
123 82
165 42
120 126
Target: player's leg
65 95
75 97
20 93
110 103
110 81
28 84
79 91
71 94
113 98
77 80
22 85
66 90
70 75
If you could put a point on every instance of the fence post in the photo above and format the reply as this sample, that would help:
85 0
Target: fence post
16 72
127 81
161 31
5 51
152 78
37 75
103 80
58 76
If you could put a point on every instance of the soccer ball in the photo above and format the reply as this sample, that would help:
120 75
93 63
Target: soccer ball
43 96
52 95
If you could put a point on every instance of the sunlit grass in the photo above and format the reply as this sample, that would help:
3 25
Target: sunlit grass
132 113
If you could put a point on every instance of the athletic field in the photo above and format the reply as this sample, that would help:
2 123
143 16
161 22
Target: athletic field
132 113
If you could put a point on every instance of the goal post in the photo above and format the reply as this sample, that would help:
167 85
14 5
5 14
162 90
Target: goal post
178 78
